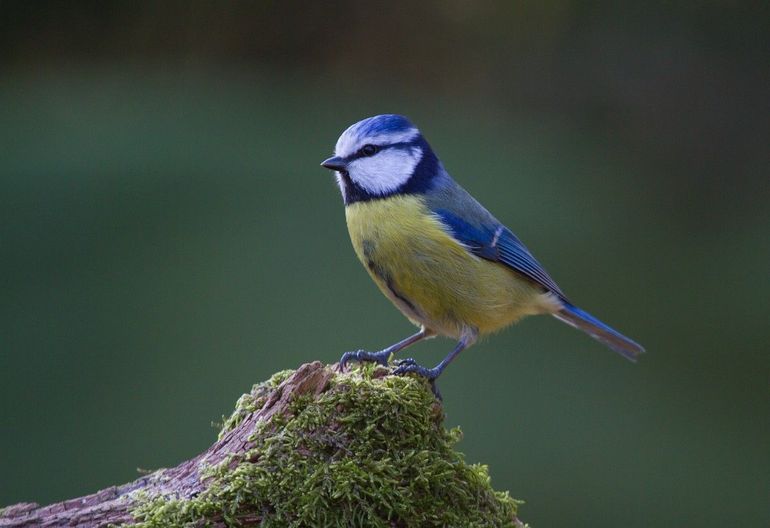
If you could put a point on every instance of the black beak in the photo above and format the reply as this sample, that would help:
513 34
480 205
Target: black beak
336 164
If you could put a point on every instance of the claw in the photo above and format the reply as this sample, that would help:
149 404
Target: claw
346 357
359 356
405 362
410 366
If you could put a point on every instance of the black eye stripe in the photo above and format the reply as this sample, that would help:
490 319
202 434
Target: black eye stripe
359 154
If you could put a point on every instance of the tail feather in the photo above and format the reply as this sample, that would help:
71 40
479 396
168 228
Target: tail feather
575 317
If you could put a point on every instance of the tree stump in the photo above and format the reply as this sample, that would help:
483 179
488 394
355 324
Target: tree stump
310 447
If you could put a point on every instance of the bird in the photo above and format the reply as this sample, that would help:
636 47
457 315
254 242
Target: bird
441 258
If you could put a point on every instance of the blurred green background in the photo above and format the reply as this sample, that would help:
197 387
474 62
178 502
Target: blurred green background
167 237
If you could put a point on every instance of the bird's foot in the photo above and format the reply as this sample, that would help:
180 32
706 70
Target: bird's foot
410 366
381 358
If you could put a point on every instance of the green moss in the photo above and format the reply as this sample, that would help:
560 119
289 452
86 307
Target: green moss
369 451
253 401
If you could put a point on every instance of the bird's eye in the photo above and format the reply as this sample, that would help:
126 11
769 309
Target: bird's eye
369 150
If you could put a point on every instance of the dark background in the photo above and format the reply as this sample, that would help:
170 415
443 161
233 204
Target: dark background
167 237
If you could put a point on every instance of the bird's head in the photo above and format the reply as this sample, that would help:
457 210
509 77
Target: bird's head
381 156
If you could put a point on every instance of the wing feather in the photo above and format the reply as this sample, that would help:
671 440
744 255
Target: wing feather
495 242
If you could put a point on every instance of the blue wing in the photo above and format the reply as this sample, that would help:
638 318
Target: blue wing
495 242
486 237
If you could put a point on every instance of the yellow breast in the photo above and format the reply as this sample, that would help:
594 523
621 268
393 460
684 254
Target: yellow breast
429 275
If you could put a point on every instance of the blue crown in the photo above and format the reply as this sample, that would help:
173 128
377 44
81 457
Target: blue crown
383 124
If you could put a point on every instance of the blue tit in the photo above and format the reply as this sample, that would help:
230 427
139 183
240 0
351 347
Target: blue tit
446 263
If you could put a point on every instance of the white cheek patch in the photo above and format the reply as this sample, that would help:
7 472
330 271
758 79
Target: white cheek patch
349 142
386 171
341 185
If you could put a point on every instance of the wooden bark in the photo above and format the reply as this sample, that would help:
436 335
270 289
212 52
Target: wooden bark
113 505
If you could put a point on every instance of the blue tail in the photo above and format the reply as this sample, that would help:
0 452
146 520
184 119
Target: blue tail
574 316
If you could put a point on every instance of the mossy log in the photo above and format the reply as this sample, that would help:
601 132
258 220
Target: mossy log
310 447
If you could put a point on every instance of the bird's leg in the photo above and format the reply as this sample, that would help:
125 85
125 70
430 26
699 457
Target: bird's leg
382 356
409 365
